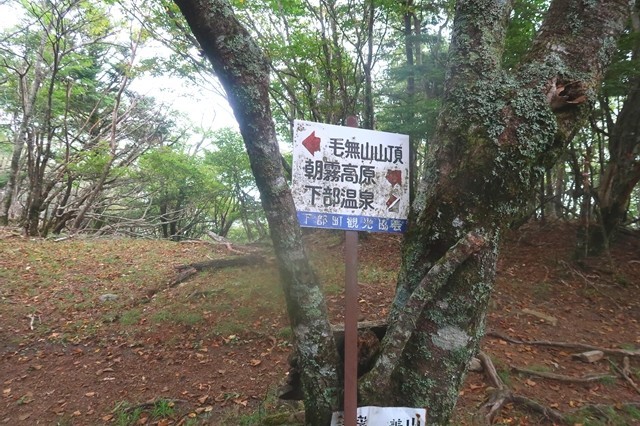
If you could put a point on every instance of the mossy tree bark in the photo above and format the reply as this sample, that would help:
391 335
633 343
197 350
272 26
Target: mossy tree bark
497 132
244 73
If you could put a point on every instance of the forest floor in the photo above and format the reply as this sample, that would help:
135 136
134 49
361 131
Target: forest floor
94 331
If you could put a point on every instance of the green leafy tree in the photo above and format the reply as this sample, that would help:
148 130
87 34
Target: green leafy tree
230 166
73 122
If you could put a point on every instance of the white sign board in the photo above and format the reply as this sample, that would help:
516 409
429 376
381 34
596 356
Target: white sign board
385 416
349 178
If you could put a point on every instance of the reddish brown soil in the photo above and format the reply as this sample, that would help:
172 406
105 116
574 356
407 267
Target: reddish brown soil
67 359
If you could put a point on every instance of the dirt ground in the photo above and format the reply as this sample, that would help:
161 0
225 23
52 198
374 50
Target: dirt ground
214 349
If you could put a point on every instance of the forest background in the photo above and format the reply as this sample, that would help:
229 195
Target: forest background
86 154
83 151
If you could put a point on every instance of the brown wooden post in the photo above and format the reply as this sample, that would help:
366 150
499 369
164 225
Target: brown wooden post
351 320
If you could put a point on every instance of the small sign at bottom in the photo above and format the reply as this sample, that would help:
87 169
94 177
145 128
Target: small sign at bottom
385 416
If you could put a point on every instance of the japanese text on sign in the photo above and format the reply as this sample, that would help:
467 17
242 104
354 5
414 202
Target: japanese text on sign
348 178
385 416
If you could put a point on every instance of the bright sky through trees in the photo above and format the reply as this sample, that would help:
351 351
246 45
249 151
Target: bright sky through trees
204 108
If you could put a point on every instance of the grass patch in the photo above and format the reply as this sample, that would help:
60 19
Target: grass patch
271 412
602 416
374 274
128 414
131 317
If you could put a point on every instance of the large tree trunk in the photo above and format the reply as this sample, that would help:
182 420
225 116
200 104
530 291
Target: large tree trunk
244 73
495 135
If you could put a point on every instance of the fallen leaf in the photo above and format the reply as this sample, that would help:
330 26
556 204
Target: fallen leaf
242 402
203 399
255 362
90 394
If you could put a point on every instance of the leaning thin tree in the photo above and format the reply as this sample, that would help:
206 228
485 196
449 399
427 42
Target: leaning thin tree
497 130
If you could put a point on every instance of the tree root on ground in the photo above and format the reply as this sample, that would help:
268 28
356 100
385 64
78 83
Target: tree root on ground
569 345
502 395
187 271
561 377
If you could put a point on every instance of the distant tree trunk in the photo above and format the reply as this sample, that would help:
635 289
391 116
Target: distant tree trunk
244 73
620 176
495 132
367 66
410 47
622 172
29 95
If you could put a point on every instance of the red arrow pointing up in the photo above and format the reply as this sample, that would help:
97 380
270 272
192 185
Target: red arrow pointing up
312 143
394 177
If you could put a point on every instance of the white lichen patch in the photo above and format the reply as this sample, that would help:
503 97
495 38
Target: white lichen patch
450 338
457 222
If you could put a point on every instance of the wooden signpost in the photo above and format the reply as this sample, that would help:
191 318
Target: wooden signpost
356 180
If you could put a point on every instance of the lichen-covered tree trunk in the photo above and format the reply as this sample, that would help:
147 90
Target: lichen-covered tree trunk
498 131
244 72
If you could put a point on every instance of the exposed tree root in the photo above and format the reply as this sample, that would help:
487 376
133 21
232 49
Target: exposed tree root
502 395
561 377
187 271
570 345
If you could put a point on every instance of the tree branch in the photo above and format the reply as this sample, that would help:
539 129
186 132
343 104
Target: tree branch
401 329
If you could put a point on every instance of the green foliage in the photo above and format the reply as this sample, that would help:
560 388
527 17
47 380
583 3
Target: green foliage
525 20
162 408
229 163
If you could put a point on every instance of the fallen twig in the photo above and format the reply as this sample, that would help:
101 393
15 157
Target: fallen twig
625 372
589 283
149 404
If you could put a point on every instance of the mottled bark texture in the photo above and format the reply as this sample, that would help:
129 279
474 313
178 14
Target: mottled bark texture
497 132
244 72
